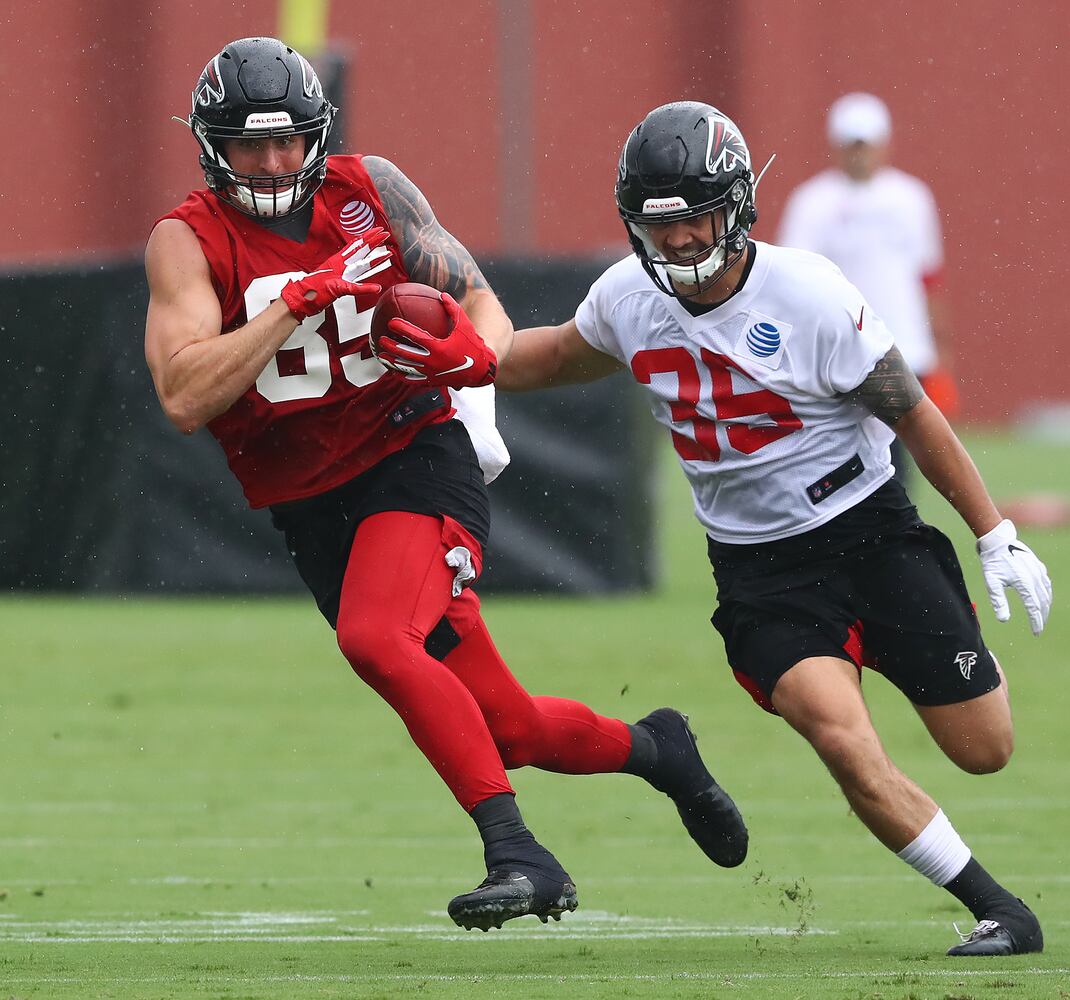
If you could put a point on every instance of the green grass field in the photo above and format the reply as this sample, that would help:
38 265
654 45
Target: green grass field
200 800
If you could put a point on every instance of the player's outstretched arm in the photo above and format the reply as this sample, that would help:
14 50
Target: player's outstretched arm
546 356
892 393
432 256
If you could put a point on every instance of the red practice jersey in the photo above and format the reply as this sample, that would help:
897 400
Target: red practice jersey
323 410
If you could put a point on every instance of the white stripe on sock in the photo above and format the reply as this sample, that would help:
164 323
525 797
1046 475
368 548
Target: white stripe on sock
937 852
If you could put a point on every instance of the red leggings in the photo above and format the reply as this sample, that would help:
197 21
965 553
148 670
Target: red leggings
468 715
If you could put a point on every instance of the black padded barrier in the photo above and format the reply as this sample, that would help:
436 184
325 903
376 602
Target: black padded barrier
99 493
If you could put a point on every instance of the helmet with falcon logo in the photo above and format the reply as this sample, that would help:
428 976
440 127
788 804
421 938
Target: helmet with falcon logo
261 89
683 161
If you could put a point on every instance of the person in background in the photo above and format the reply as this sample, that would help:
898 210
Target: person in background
881 227
262 286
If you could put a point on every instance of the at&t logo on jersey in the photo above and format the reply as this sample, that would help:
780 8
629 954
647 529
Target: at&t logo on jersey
356 217
762 340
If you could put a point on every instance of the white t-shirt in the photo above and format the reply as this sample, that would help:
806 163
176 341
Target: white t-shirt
884 234
751 390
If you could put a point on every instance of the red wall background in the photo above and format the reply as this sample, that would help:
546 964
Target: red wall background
979 93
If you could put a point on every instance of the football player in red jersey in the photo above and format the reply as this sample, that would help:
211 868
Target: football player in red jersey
781 390
261 291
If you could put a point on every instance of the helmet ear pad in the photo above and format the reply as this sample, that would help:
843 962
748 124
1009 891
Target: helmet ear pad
261 88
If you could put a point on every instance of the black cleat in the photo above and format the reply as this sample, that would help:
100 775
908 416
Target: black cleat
708 812
1016 933
505 894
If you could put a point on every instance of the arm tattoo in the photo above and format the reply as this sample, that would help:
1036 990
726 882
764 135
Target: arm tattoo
890 390
431 255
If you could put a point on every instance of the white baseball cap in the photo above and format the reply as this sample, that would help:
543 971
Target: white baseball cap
859 118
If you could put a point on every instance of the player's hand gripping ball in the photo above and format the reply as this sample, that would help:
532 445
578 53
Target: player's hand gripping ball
420 304
424 335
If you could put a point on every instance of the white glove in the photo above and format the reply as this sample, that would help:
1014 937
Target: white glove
1007 562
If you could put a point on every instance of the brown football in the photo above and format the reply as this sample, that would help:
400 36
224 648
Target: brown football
420 304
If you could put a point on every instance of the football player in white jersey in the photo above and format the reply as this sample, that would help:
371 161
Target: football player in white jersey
781 390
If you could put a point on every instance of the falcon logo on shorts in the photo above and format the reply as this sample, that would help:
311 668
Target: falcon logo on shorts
965 662
356 218
763 340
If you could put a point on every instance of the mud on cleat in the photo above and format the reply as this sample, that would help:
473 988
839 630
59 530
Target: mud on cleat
707 810
1016 933
505 894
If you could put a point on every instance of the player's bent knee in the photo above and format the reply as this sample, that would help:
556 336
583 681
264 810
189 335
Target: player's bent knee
985 757
376 656
513 755
516 740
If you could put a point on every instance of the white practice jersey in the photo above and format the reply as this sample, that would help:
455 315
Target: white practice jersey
884 234
752 391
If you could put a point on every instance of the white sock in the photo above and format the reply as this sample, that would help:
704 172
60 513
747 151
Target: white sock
937 852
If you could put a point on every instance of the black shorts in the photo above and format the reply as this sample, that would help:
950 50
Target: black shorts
876 585
437 474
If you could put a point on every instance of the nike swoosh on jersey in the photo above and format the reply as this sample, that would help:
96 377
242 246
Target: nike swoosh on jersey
860 315
468 362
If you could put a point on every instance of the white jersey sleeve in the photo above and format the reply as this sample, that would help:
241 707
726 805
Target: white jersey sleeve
850 338
595 316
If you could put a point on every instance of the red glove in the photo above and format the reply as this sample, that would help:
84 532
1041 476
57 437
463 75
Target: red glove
336 277
459 360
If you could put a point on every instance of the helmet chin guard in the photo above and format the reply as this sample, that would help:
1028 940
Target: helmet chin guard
271 205
264 196
699 272
259 88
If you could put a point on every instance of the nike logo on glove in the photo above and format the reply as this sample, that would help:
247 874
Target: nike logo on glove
468 362
1015 548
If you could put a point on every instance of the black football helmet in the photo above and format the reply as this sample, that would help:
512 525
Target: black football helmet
682 161
261 88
